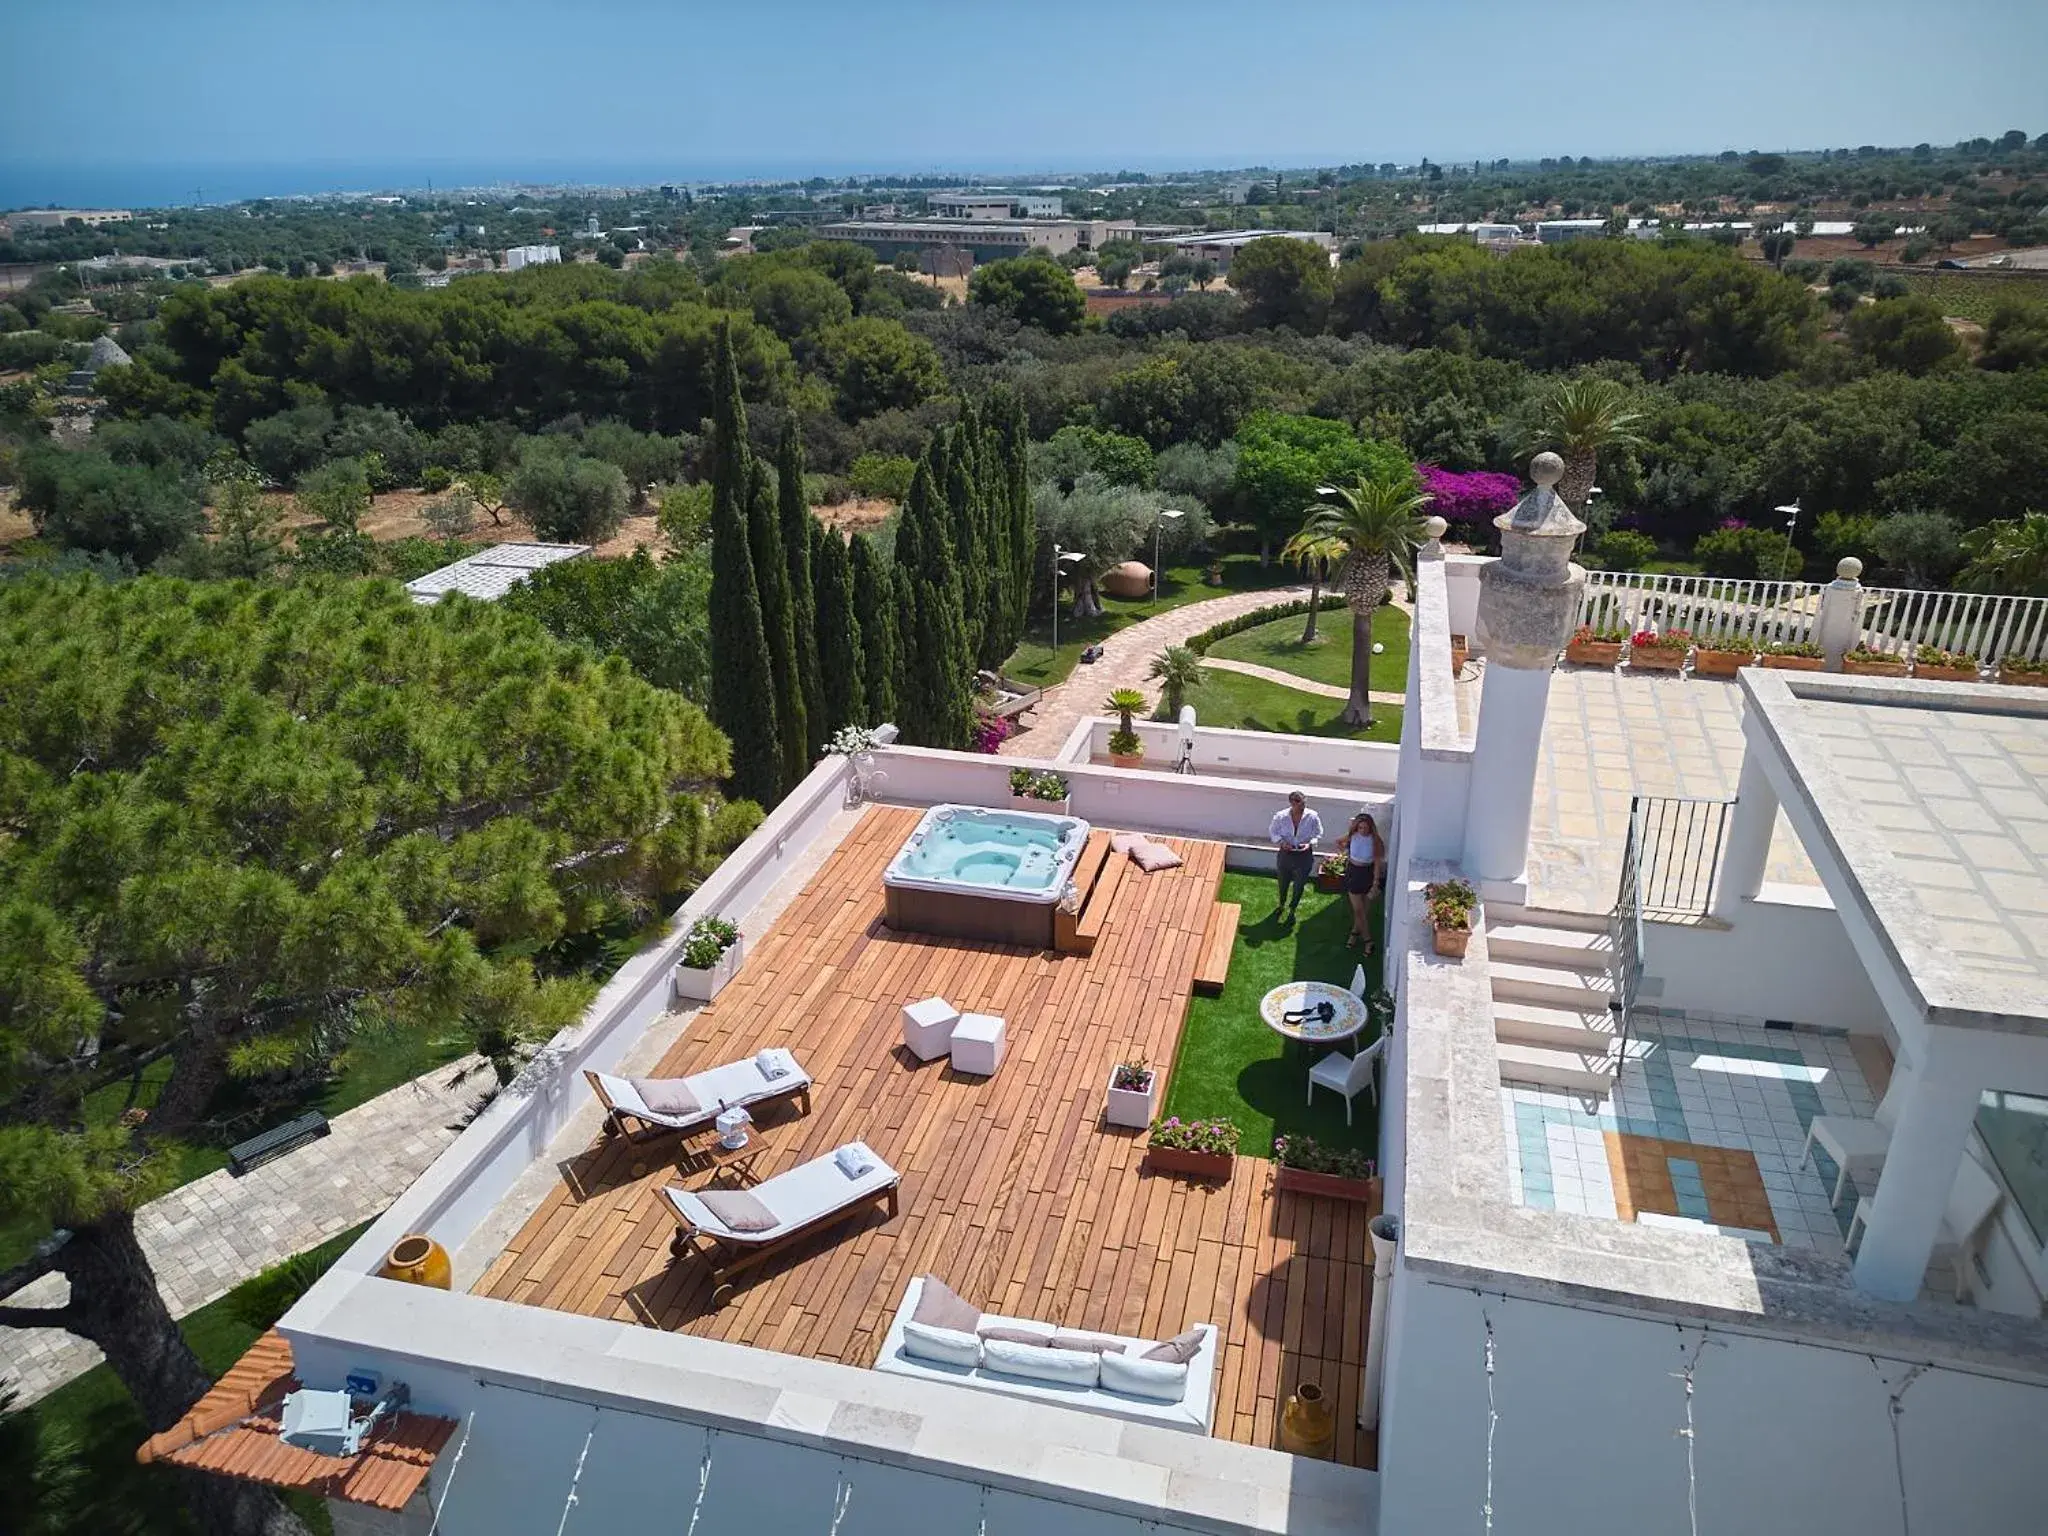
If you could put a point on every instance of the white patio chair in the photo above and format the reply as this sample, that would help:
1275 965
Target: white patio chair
1358 983
1965 1222
1347 1075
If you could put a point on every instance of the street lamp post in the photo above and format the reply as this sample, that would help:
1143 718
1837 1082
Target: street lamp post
1060 557
1791 511
1166 514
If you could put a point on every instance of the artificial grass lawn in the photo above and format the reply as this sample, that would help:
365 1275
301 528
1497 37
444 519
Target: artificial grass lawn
1231 1065
1278 645
83 1435
1037 663
1240 703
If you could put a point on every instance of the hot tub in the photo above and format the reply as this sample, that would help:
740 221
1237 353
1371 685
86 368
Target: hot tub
972 873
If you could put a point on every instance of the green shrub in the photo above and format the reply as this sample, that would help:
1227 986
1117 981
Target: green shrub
568 498
882 476
1621 549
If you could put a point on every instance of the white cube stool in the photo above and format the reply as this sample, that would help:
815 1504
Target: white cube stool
928 1027
978 1044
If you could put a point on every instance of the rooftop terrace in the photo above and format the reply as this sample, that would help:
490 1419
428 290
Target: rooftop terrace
1013 1191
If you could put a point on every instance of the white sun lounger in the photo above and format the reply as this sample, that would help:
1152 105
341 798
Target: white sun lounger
740 1084
804 1200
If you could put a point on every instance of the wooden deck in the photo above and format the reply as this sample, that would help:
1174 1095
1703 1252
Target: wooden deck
1013 1191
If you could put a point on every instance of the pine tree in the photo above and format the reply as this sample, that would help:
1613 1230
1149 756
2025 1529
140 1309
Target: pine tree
742 688
797 523
839 631
937 693
876 606
778 621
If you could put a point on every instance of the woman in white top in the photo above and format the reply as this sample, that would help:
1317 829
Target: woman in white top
1365 870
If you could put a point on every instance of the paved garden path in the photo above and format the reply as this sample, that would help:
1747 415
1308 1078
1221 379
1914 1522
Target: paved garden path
1126 657
205 1238
1295 681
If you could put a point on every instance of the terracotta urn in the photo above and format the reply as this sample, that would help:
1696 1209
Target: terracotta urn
1306 1425
418 1260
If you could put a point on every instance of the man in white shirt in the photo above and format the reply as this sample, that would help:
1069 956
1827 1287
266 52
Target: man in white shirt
1295 832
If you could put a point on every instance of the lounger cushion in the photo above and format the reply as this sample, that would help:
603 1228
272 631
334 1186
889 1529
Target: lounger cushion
666 1095
1124 842
1039 1336
1164 1381
1178 1350
739 1210
1153 857
939 1306
1068 1367
1093 1341
946 1346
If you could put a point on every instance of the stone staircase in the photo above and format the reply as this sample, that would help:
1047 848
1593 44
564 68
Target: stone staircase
1551 988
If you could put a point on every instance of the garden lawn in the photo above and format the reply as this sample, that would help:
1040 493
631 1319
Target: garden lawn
1231 1065
1035 661
1240 703
1278 645
70 1459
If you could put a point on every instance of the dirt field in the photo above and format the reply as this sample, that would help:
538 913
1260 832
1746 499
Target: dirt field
856 515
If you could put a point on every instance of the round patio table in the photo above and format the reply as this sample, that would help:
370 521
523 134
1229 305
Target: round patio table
1347 1012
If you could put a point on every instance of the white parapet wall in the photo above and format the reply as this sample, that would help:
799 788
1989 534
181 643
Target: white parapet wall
1786 959
1222 753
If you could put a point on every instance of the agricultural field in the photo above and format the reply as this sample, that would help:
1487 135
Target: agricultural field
1974 295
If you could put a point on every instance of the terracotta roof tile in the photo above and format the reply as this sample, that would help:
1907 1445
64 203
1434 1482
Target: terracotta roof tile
234 1431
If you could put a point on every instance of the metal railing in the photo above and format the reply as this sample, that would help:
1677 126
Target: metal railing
1625 928
1676 850
1895 620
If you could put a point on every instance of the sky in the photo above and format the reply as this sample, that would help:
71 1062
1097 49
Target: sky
282 95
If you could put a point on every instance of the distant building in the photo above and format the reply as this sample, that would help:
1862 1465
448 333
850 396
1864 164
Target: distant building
881 211
532 256
987 240
1484 234
490 573
106 353
57 218
994 206
1221 247
1558 231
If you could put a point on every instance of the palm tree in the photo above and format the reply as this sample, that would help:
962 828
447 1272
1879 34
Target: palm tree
1179 673
1580 417
1378 524
2008 556
1315 554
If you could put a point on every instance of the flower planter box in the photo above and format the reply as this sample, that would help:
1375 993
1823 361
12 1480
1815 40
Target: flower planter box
1329 884
1193 1165
1043 807
2023 679
695 986
1328 1186
1452 941
1653 658
1795 663
1132 1108
1873 668
1707 663
1126 759
1593 653
1946 674
1460 649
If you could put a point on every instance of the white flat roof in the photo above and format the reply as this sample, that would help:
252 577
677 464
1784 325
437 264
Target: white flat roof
1933 800
490 573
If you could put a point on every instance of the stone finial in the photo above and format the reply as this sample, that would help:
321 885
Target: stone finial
1546 469
1528 597
1848 568
1433 530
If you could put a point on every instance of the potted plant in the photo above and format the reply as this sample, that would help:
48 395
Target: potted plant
1213 575
1451 905
1794 656
1330 874
1658 650
1864 662
711 955
1721 659
1125 749
1595 646
1931 661
1133 1090
1307 1167
1201 1149
2024 672
1038 790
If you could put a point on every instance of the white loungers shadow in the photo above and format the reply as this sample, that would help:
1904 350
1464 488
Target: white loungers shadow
996 1357
745 1227
738 1084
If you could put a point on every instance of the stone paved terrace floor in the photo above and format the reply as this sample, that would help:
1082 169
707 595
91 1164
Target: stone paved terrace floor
1609 734
1013 1191
205 1238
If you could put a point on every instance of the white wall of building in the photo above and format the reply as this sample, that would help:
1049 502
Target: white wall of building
1786 958
1368 764
1788 1437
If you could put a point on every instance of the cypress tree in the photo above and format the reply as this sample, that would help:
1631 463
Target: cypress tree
968 527
937 693
771 571
742 689
797 522
875 604
839 631
1021 543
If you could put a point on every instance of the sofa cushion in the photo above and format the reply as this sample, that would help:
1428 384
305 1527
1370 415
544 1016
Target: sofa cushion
947 1346
740 1211
1164 1381
1124 842
1094 1341
1179 1349
939 1307
1152 857
1068 1367
1042 1337
666 1095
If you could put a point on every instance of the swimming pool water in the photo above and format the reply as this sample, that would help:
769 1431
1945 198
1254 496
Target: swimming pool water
991 850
